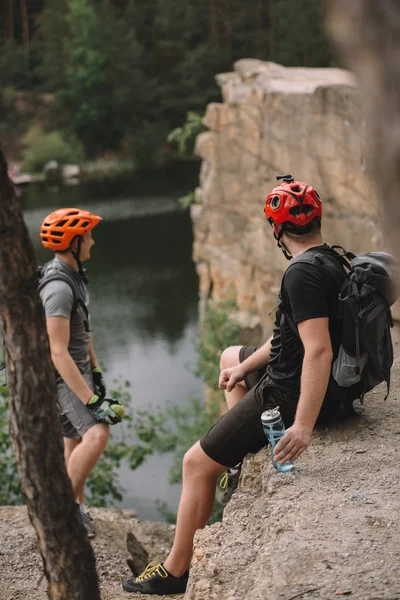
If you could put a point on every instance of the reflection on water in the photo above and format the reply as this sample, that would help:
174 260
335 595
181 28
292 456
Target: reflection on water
143 298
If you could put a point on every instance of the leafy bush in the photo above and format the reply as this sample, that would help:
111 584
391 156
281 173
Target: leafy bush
147 144
188 199
15 69
185 137
41 147
219 331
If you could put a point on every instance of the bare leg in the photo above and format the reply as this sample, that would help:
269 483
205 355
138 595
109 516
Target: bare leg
69 446
200 474
85 455
230 358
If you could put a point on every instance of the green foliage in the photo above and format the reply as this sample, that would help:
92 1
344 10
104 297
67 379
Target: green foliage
8 97
41 147
219 331
86 94
103 486
125 76
147 144
293 47
15 69
187 200
185 137
52 31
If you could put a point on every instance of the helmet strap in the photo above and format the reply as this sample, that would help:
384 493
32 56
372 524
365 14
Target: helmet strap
76 255
278 238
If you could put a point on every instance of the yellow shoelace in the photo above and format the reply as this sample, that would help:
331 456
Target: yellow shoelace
152 568
223 484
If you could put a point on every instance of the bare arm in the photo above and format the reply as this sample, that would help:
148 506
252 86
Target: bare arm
58 332
258 359
317 363
228 378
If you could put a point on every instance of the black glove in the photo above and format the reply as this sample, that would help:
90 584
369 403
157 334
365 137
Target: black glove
106 410
98 382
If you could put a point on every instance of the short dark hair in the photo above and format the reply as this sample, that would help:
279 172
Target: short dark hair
294 232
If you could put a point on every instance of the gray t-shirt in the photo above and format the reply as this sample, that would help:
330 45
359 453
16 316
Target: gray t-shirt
58 300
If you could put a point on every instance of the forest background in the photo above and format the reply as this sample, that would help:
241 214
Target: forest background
119 75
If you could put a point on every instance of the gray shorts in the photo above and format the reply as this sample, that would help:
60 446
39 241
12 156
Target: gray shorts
75 418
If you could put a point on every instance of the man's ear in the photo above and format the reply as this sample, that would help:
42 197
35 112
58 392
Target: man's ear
276 229
74 244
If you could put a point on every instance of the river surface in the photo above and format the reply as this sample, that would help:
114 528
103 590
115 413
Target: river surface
143 300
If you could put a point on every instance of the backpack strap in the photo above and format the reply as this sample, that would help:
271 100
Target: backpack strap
316 257
345 254
57 275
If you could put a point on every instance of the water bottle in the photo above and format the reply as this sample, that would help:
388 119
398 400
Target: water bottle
274 429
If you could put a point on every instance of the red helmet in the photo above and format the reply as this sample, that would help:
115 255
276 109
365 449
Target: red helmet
61 226
293 202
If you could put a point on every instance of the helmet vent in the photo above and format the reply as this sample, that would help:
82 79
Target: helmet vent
85 224
318 196
295 188
57 233
275 202
295 211
60 223
74 223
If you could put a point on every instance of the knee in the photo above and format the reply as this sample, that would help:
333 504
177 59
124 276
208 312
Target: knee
198 467
191 460
229 357
98 435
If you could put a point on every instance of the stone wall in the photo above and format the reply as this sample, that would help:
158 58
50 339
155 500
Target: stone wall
275 120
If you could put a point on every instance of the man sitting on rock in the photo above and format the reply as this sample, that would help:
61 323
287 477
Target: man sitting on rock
291 370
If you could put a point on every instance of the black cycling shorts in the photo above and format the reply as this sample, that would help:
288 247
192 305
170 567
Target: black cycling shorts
239 431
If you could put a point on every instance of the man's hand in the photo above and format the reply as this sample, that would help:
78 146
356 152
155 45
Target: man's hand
296 439
228 378
106 410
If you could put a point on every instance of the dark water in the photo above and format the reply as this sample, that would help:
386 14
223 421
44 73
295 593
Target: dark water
144 302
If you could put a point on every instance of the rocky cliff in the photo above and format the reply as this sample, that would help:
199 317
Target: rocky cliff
330 529
274 120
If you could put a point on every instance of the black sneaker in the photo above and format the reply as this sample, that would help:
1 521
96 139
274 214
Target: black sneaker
87 522
155 579
229 483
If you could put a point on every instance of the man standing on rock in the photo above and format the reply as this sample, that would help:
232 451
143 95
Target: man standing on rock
85 412
291 370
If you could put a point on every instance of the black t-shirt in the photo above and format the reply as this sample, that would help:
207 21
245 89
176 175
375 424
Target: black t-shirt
308 291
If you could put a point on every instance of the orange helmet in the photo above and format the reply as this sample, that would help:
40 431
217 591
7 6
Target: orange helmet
61 226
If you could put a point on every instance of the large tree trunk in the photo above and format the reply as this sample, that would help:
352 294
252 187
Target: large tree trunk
68 558
367 34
